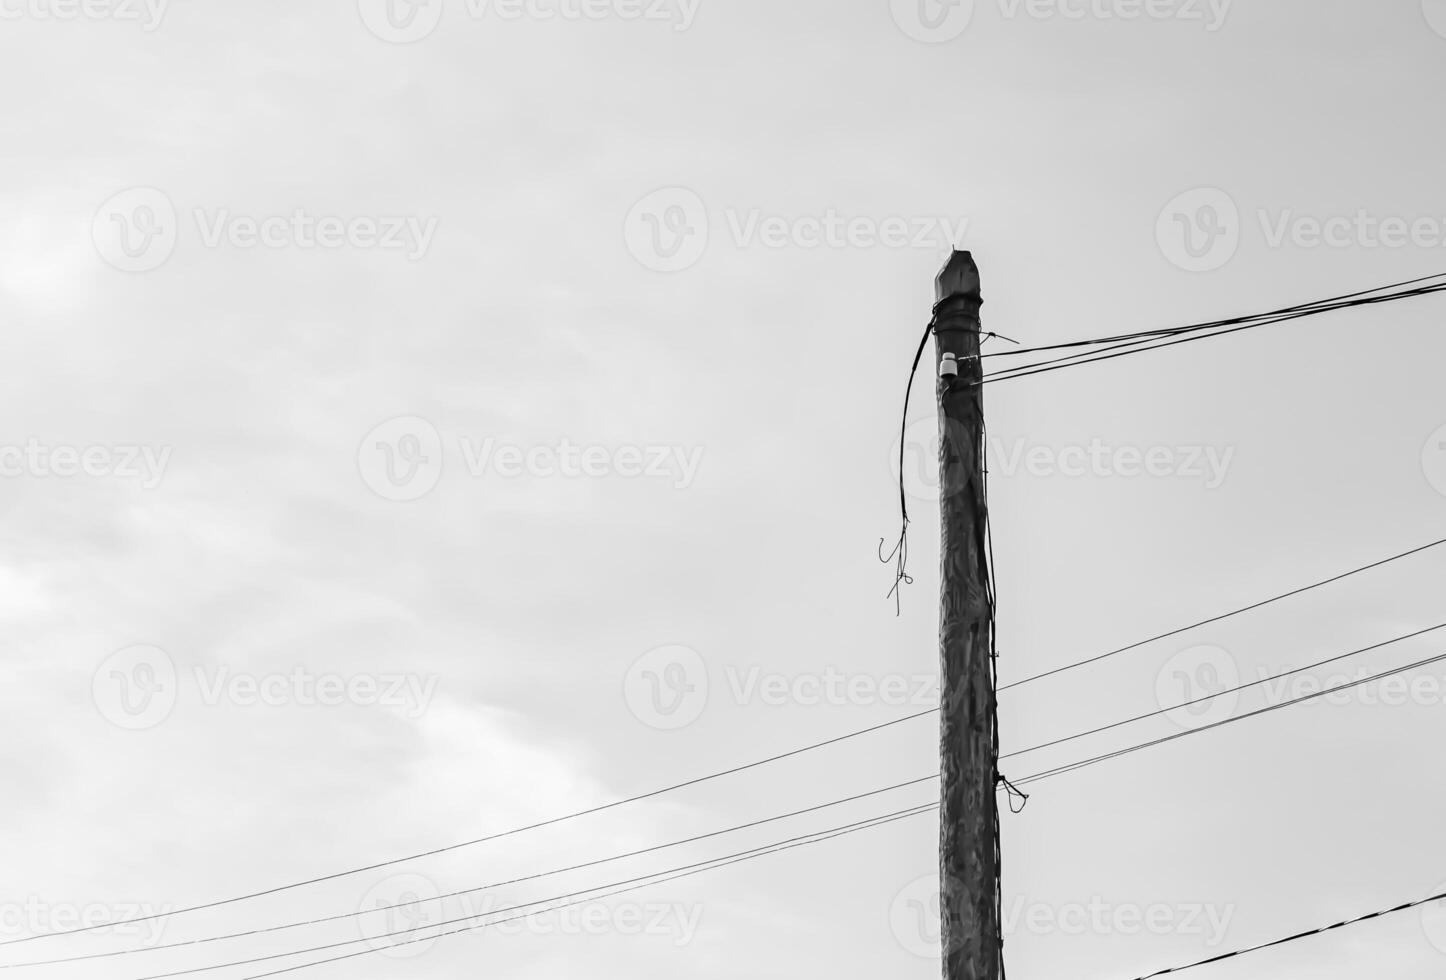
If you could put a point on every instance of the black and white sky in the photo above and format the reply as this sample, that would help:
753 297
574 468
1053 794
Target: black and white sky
422 418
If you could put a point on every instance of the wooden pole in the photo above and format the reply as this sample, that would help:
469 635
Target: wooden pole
969 816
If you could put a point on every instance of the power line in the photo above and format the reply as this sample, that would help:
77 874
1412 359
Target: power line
1208 324
1233 690
1298 936
813 809
1040 776
727 772
479 888
1234 612
639 882
1139 343
733 829
1060 770
491 837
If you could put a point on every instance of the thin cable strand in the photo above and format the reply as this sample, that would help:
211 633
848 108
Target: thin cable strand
1297 937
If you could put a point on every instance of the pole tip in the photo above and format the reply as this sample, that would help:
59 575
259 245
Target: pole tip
960 276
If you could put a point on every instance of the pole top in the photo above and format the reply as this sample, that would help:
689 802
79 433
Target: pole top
959 277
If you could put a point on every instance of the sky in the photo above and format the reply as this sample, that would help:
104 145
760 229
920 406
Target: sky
426 419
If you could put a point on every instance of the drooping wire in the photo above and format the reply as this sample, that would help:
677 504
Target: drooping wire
497 836
642 881
1233 690
471 891
727 772
1297 937
900 554
1060 770
1229 615
1211 324
1128 344
815 838
1015 794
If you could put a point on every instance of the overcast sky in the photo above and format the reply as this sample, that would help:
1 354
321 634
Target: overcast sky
420 420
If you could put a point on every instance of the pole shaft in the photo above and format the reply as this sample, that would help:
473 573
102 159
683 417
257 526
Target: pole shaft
968 852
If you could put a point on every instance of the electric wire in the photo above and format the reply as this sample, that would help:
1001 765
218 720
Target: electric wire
479 888
1231 614
481 840
1297 937
1071 767
1233 690
641 881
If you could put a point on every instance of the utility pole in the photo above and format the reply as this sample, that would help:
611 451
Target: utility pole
968 739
